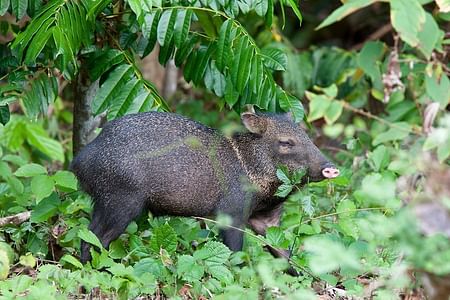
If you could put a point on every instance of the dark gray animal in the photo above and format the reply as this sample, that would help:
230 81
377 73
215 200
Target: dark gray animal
171 165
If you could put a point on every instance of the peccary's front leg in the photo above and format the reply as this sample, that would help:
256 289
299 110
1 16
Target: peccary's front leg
260 221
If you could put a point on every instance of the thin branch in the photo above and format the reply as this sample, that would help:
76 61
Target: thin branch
16 219
380 32
367 114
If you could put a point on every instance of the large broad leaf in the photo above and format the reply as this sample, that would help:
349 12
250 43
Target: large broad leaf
42 186
30 170
163 237
429 36
65 180
369 60
46 208
38 138
348 8
398 131
408 18
438 89
189 269
89 237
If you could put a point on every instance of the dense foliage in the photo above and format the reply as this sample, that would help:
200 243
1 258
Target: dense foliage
381 229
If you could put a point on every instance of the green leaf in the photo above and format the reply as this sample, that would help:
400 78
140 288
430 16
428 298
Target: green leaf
27 260
284 190
438 89
104 62
261 7
30 170
294 7
185 50
38 138
213 253
166 26
4 5
408 17
379 158
4 114
318 106
276 238
66 179
274 59
124 99
399 131
136 7
333 111
42 186
45 209
240 69
188 269
369 59
327 255
224 51
290 103
89 237
104 97
201 62
214 80
283 175
71 260
150 29
346 208
166 51
207 22
269 15
19 8
429 36
348 8
307 206
182 26
164 237
39 41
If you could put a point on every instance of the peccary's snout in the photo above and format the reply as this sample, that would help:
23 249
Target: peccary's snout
329 171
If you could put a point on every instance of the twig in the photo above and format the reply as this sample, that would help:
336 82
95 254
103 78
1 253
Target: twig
371 116
15 219
374 36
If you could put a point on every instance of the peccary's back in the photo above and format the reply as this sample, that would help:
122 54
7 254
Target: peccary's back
177 166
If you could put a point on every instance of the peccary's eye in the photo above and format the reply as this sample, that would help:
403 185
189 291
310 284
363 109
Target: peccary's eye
286 143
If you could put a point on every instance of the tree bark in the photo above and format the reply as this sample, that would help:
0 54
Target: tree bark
84 123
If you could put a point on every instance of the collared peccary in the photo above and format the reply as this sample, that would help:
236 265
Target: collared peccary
171 165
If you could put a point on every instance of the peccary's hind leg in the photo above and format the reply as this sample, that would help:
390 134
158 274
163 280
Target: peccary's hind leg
110 218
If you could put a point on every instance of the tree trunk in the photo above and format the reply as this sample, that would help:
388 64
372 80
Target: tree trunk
84 123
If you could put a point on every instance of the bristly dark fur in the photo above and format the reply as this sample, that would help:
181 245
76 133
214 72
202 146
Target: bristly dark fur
171 165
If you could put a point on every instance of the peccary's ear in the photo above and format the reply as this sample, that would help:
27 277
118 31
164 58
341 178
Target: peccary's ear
254 123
